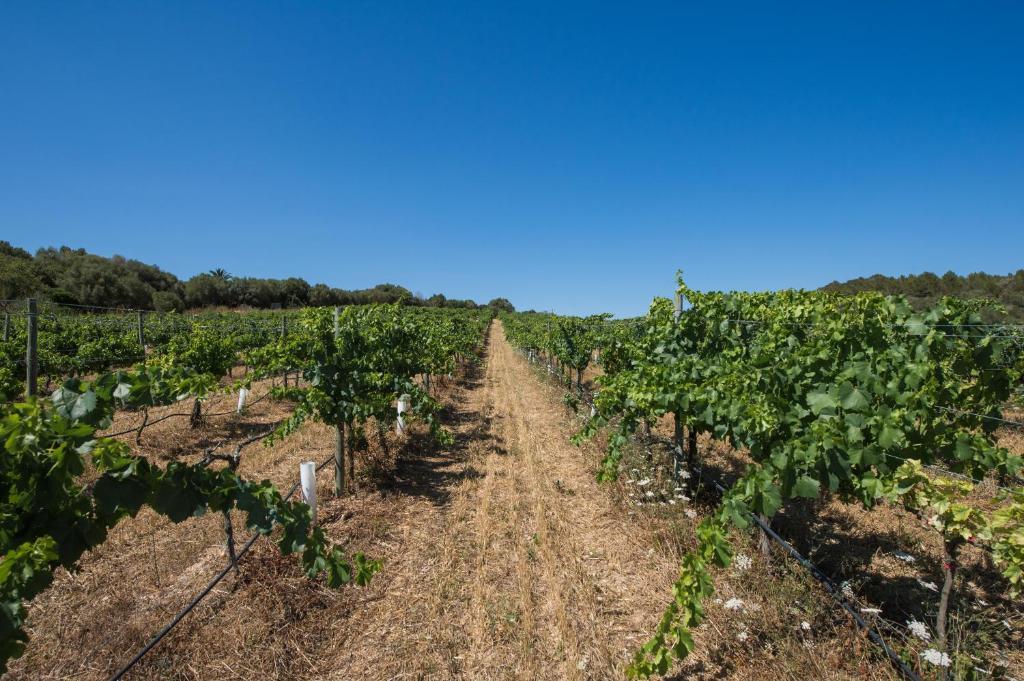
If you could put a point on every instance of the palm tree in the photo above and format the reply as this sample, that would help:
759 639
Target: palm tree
220 273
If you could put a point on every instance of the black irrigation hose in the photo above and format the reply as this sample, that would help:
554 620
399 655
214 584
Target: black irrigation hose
181 615
256 438
166 629
836 594
818 574
829 585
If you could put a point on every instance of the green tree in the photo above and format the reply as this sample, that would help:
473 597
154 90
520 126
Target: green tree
502 305
167 301
19 276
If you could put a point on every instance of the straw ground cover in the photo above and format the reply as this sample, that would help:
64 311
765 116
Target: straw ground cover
886 559
518 566
88 622
504 558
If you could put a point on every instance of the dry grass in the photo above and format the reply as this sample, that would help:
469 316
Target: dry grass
527 570
89 622
889 559
765 638
503 559
893 562
589 589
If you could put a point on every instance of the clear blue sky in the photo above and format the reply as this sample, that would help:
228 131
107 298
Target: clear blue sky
567 156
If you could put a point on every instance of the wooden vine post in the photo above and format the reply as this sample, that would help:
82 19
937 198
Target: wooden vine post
691 434
32 349
950 553
196 417
284 332
229 530
351 445
339 459
339 428
677 435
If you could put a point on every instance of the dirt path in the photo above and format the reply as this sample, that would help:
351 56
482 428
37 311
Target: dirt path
519 566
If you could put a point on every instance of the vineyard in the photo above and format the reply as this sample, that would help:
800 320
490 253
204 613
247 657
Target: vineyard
735 484
67 484
858 398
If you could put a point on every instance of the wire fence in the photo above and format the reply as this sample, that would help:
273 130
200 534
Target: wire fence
95 308
1007 422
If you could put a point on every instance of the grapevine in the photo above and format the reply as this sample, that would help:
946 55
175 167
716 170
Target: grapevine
63 488
849 396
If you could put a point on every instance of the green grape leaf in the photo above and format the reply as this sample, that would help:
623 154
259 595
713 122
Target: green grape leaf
820 401
807 487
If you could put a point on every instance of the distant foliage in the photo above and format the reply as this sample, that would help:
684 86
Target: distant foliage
69 275
502 305
924 290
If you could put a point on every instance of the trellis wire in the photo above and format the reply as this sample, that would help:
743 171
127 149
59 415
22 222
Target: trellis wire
1008 422
98 307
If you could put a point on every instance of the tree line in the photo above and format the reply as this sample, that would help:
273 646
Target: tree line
924 290
74 276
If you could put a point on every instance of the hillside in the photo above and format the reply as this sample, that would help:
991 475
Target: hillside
924 289
75 276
